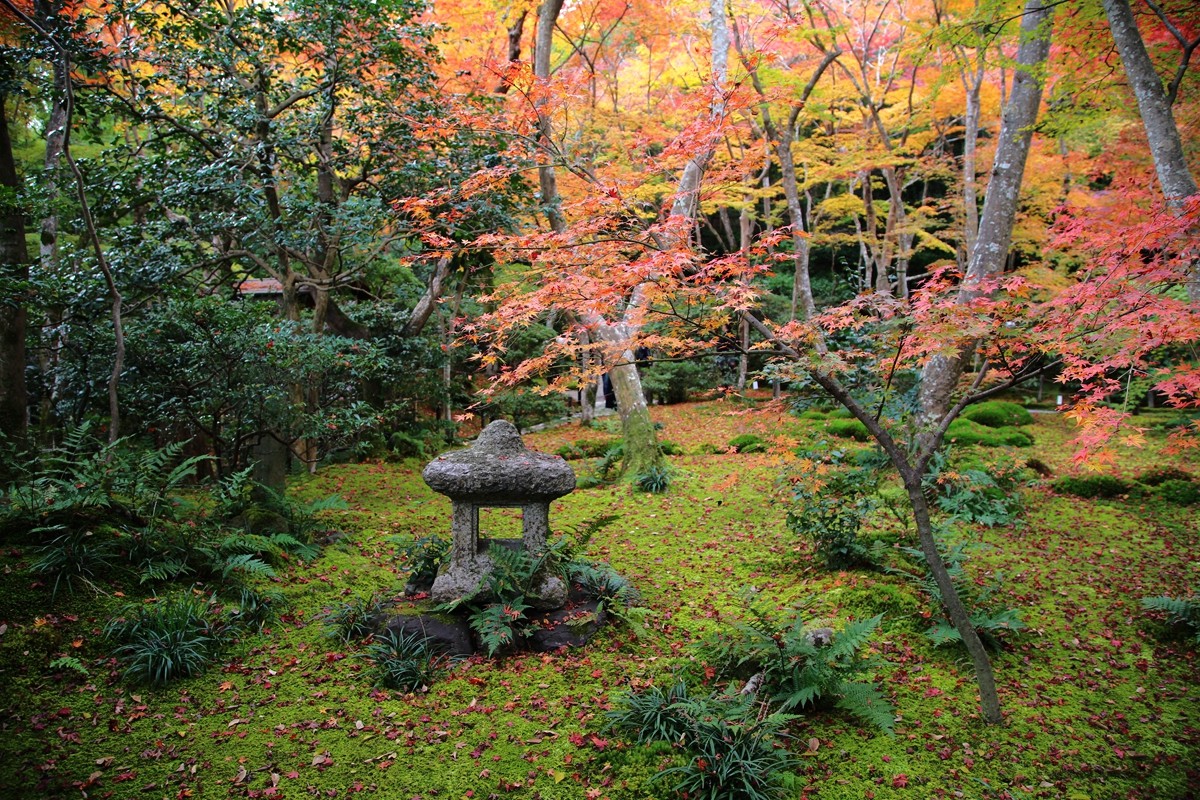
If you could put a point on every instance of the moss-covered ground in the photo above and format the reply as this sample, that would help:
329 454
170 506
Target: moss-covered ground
1099 702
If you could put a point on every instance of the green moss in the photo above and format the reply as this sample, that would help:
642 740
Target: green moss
748 443
848 429
281 699
966 432
998 414
1092 486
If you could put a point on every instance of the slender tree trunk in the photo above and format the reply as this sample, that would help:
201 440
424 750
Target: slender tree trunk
969 182
547 180
14 266
744 356
990 253
1155 109
428 302
641 442
514 48
989 700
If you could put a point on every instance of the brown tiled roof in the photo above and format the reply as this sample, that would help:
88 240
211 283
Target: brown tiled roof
256 286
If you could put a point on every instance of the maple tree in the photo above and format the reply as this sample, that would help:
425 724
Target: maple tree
985 318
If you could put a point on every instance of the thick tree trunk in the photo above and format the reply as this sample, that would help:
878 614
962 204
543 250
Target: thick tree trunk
14 266
990 253
1155 109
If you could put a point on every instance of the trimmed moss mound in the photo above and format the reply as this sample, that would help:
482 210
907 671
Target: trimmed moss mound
967 432
1092 486
848 429
998 414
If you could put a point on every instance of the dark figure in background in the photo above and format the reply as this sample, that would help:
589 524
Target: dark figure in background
610 394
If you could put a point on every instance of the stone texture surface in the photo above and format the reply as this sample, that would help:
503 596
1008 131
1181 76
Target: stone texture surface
572 627
499 470
451 635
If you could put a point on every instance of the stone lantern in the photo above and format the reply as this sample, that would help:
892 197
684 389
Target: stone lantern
497 471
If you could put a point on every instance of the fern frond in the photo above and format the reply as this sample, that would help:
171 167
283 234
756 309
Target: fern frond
853 638
1179 609
805 696
865 701
246 564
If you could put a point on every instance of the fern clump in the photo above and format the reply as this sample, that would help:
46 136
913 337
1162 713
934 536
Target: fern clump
1180 611
800 666
992 620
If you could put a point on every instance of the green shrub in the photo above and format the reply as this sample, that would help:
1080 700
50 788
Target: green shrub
1160 475
848 429
830 513
672 381
527 407
423 558
813 413
409 662
748 443
585 448
669 448
175 637
1184 493
1091 486
998 414
966 432
977 496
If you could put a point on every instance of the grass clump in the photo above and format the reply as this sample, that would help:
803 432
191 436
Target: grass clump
408 662
727 750
655 480
175 637
355 619
998 414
